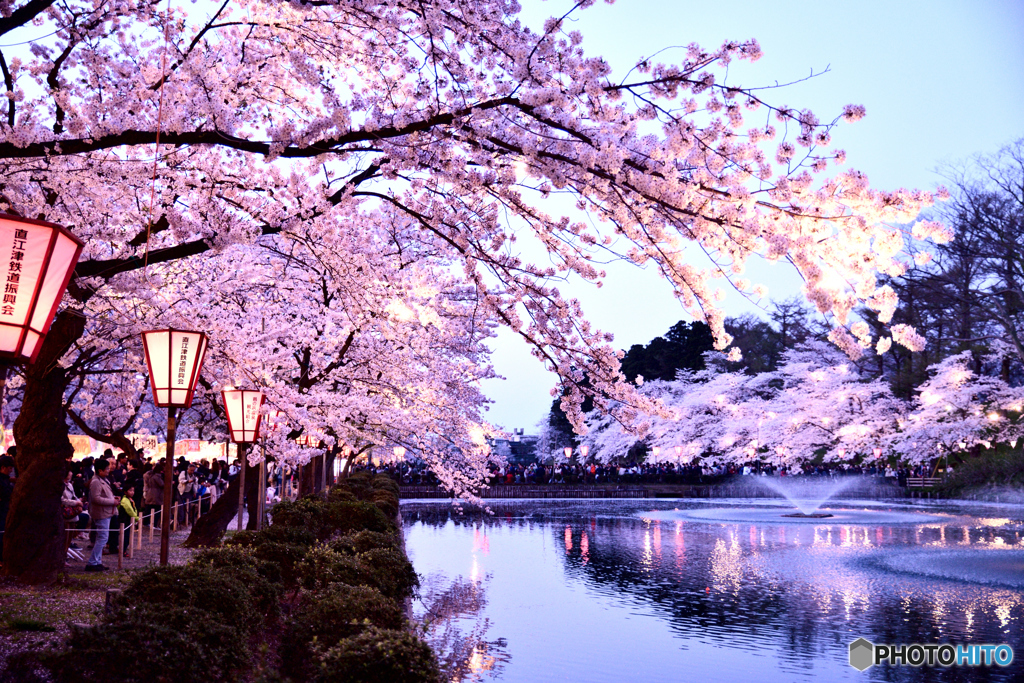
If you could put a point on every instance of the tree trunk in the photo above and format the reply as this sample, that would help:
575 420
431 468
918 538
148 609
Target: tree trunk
34 538
209 528
330 467
306 473
252 497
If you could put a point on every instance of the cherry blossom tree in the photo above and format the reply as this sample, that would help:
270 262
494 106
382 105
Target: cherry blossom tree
816 403
446 129
958 409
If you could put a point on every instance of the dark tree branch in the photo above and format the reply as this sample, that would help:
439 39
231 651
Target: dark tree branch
23 15
9 83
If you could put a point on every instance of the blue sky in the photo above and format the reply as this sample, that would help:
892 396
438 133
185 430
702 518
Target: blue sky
941 81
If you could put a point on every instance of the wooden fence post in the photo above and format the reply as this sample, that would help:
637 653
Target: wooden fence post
120 548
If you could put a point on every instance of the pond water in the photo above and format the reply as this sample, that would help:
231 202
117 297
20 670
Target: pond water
680 590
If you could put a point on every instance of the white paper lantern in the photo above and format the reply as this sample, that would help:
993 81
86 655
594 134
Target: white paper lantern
37 260
175 358
243 409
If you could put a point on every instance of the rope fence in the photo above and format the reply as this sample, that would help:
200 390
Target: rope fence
189 510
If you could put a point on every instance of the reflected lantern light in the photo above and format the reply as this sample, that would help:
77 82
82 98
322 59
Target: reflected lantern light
243 409
37 260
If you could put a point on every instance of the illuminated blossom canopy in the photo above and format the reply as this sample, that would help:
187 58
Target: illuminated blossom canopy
430 135
818 405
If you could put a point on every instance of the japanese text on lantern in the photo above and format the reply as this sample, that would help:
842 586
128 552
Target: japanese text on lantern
183 361
251 410
14 273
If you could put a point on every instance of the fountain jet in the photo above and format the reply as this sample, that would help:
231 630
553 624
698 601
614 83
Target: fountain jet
805 494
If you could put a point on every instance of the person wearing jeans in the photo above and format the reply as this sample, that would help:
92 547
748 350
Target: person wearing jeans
102 506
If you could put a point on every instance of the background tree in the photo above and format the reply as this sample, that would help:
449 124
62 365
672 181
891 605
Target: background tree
682 348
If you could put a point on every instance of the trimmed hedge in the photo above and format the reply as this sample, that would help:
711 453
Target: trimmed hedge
325 518
361 541
163 645
208 593
383 569
387 502
326 617
263 578
379 656
286 556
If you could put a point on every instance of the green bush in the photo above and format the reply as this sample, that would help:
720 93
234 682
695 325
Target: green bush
310 513
340 492
286 555
388 571
238 556
279 533
207 593
361 541
360 484
261 577
162 645
323 566
382 482
283 546
324 518
326 617
387 502
349 517
379 656
392 573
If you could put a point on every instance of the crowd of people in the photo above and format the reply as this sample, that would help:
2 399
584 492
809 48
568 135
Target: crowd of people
101 494
412 474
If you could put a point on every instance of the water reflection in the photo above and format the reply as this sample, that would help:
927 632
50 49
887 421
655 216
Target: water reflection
450 612
622 596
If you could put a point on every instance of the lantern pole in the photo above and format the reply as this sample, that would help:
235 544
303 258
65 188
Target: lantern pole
243 461
262 488
165 518
4 364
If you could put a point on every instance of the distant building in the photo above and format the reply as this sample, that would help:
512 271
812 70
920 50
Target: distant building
520 449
